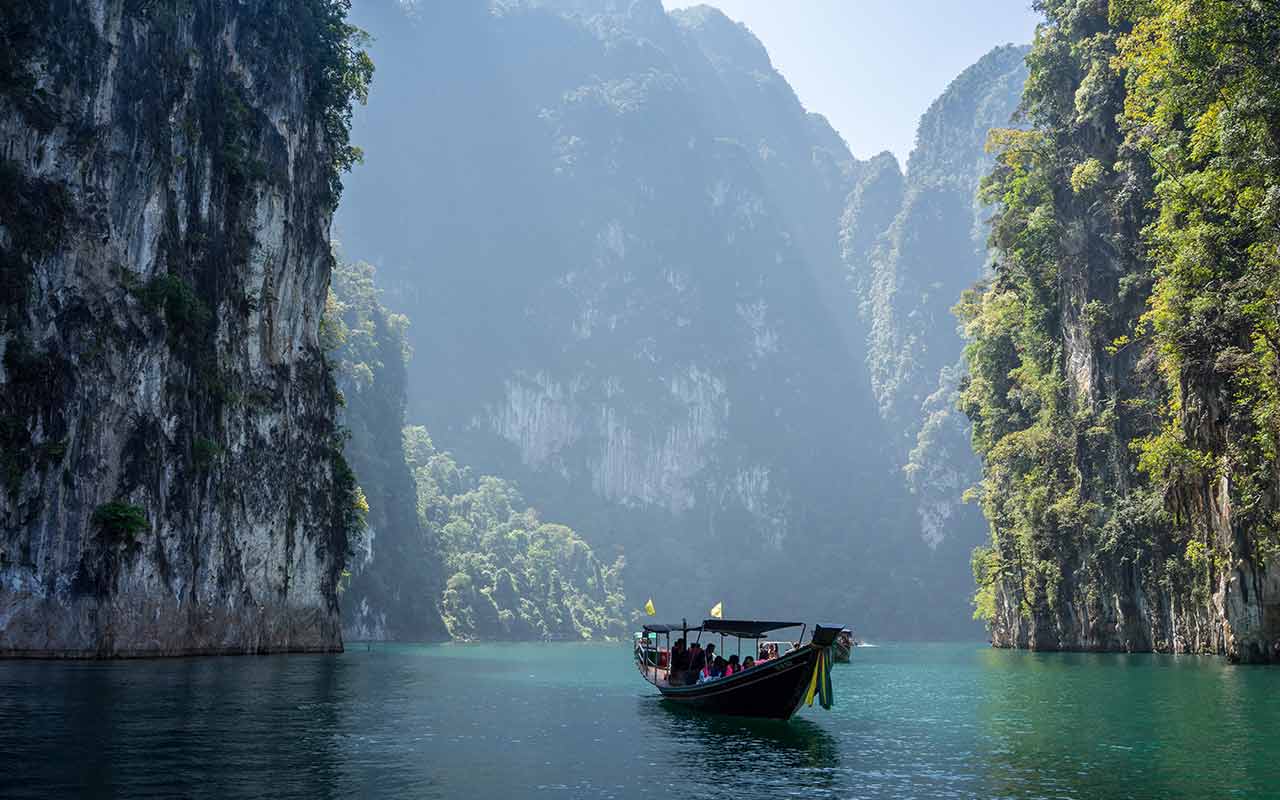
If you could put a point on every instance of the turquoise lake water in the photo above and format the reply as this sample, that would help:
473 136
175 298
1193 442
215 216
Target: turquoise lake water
577 720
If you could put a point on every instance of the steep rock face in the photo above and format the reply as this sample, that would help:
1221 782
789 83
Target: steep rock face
1129 470
1052 409
172 471
910 269
622 256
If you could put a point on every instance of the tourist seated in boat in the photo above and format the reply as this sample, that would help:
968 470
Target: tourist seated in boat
679 663
733 667
697 663
748 663
714 670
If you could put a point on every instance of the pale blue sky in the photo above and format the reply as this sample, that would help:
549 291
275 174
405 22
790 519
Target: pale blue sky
874 66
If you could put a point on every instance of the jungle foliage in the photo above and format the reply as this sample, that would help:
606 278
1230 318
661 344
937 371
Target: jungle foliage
393 584
512 576
1124 355
1203 104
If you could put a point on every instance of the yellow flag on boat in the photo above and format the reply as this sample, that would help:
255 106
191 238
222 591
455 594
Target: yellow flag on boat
717 611
648 607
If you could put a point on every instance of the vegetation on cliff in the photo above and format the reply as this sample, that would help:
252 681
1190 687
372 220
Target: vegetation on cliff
1122 357
394 580
1204 106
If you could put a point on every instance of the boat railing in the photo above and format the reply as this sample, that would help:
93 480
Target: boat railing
651 659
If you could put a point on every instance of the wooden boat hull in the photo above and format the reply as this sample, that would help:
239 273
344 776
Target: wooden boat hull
773 690
842 653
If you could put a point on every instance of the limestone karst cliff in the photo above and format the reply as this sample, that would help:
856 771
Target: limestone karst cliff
172 473
624 239
629 296
1123 356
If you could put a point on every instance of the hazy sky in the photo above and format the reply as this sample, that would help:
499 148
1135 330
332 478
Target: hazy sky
874 66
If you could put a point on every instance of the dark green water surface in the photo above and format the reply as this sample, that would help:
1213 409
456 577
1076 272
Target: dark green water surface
565 720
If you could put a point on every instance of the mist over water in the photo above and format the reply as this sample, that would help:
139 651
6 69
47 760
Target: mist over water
481 721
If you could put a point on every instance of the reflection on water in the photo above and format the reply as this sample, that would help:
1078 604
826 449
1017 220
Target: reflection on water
577 721
735 752
169 728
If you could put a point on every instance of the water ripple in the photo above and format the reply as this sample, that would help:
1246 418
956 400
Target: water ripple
509 721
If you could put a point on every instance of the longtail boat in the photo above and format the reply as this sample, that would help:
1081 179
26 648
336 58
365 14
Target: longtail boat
773 689
844 645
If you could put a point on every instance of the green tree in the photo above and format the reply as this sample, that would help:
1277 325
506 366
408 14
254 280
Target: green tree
514 576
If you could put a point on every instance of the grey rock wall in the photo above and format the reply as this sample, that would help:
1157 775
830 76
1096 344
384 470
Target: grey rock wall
165 266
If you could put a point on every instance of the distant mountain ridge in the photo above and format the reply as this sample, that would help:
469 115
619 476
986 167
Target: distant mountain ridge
908 272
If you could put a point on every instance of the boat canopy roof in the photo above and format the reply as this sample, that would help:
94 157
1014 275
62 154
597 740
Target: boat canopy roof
745 628
668 628
742 628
